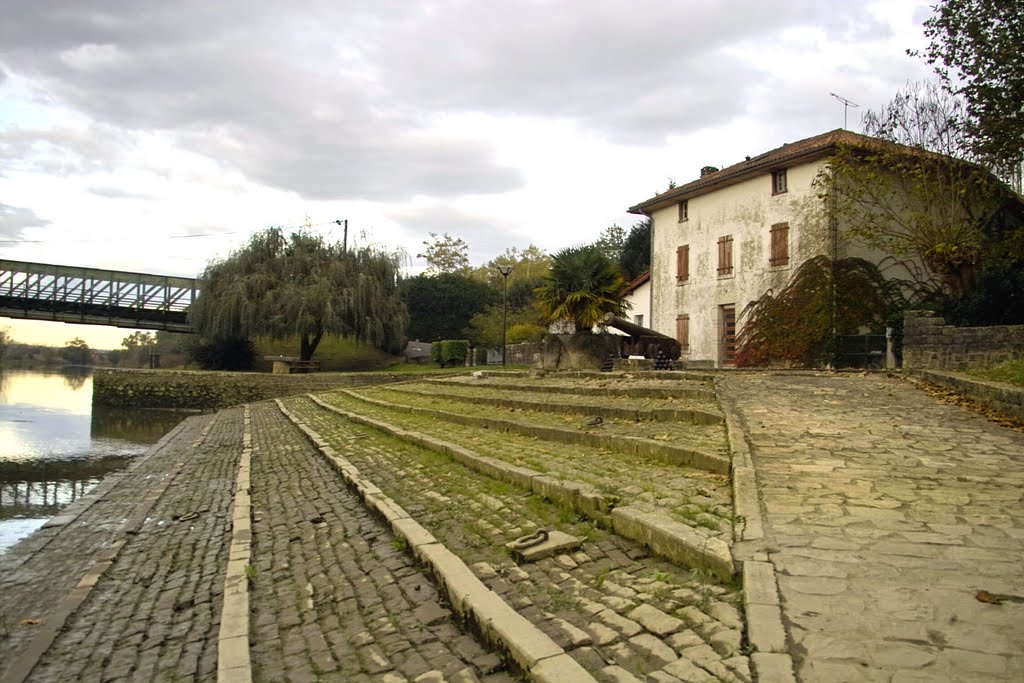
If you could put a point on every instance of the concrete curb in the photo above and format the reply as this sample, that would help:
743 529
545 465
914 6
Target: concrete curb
497 622
762 607
693 415
669 454
233 661
664 535
52 625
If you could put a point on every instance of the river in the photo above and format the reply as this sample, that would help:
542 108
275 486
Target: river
55 447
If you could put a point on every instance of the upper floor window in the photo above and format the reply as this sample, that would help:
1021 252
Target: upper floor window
684 211
779 184
725 255
638 319
780 245
683 263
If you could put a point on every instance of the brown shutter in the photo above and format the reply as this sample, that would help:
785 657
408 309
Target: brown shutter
683 332
725 255
683 263
780 244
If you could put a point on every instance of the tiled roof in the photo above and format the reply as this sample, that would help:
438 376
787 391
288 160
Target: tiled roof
635 284
787 155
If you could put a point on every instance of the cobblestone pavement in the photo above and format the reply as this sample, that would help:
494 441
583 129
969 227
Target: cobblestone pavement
335 596
885 513
617 611
154 615
152 611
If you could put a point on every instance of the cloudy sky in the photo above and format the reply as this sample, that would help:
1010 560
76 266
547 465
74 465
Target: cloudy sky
156 136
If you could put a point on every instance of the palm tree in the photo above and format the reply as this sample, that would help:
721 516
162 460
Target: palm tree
582 285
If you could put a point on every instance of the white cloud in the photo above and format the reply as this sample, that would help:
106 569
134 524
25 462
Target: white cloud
126 125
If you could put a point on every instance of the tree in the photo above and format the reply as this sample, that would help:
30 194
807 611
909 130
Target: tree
441 306
799 325
485 327
582 285
635 259
137 347
77 352
445 254
975 46
285 287
611 241
5 340
907 194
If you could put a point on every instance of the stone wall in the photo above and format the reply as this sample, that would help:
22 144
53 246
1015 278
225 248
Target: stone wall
1003 398
928 342
199 390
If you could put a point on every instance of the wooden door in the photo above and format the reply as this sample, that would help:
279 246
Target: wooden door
727 316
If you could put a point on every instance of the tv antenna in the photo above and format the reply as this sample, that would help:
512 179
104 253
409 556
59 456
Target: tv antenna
846 105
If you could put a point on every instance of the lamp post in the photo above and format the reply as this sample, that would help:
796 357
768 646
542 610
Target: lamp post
504 270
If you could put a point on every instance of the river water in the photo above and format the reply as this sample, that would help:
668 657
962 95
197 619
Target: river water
55 447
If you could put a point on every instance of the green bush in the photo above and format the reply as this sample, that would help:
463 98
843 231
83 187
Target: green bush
450 352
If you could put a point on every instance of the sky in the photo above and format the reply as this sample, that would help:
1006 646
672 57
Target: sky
157 137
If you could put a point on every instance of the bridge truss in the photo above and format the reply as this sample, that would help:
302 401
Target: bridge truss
92 296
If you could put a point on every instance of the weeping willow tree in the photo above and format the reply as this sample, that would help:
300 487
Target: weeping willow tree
299 286
823 300
582 285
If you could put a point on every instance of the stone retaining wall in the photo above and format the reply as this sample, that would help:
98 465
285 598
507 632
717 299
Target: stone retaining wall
1003 398
201 390
928 342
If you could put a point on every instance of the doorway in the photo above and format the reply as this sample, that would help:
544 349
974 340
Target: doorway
727 335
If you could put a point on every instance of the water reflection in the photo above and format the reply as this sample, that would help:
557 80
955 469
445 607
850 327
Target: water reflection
75 378
54 448
43 488
139 426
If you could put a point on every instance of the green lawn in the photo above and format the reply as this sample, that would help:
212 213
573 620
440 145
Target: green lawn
1011 372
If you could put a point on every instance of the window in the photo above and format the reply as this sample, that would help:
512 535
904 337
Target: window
779 184
725 255
683 332
683 263
638 319
780 245
684 211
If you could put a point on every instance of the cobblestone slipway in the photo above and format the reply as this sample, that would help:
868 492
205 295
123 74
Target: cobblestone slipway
884 514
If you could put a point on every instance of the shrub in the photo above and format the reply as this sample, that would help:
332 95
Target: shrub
449 352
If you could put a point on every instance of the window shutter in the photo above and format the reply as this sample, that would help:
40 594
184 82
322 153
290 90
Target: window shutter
725 255
683 332
683 263
780 244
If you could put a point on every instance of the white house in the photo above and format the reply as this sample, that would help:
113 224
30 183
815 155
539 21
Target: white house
638 294
720 242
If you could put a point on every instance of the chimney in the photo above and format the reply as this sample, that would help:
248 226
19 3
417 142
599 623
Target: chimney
708 170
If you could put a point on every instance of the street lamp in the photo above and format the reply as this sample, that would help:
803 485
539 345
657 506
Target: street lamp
504 270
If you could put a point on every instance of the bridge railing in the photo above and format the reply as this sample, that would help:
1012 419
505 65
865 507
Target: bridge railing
91 292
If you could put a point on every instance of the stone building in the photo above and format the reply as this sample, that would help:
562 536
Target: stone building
720 242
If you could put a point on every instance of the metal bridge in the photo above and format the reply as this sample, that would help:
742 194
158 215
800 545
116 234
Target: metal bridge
71 294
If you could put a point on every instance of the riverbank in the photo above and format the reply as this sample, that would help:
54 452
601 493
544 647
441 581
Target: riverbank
208 390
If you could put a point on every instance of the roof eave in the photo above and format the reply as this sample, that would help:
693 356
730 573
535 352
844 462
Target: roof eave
724 179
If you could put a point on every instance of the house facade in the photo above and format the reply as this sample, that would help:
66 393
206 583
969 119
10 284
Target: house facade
638 295
720 242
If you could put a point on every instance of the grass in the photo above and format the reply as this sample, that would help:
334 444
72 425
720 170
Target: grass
1011 372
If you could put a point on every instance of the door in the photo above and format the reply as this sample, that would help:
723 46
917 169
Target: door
727 326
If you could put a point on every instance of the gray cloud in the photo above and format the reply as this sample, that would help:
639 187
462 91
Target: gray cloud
486 235
14 219
333 100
